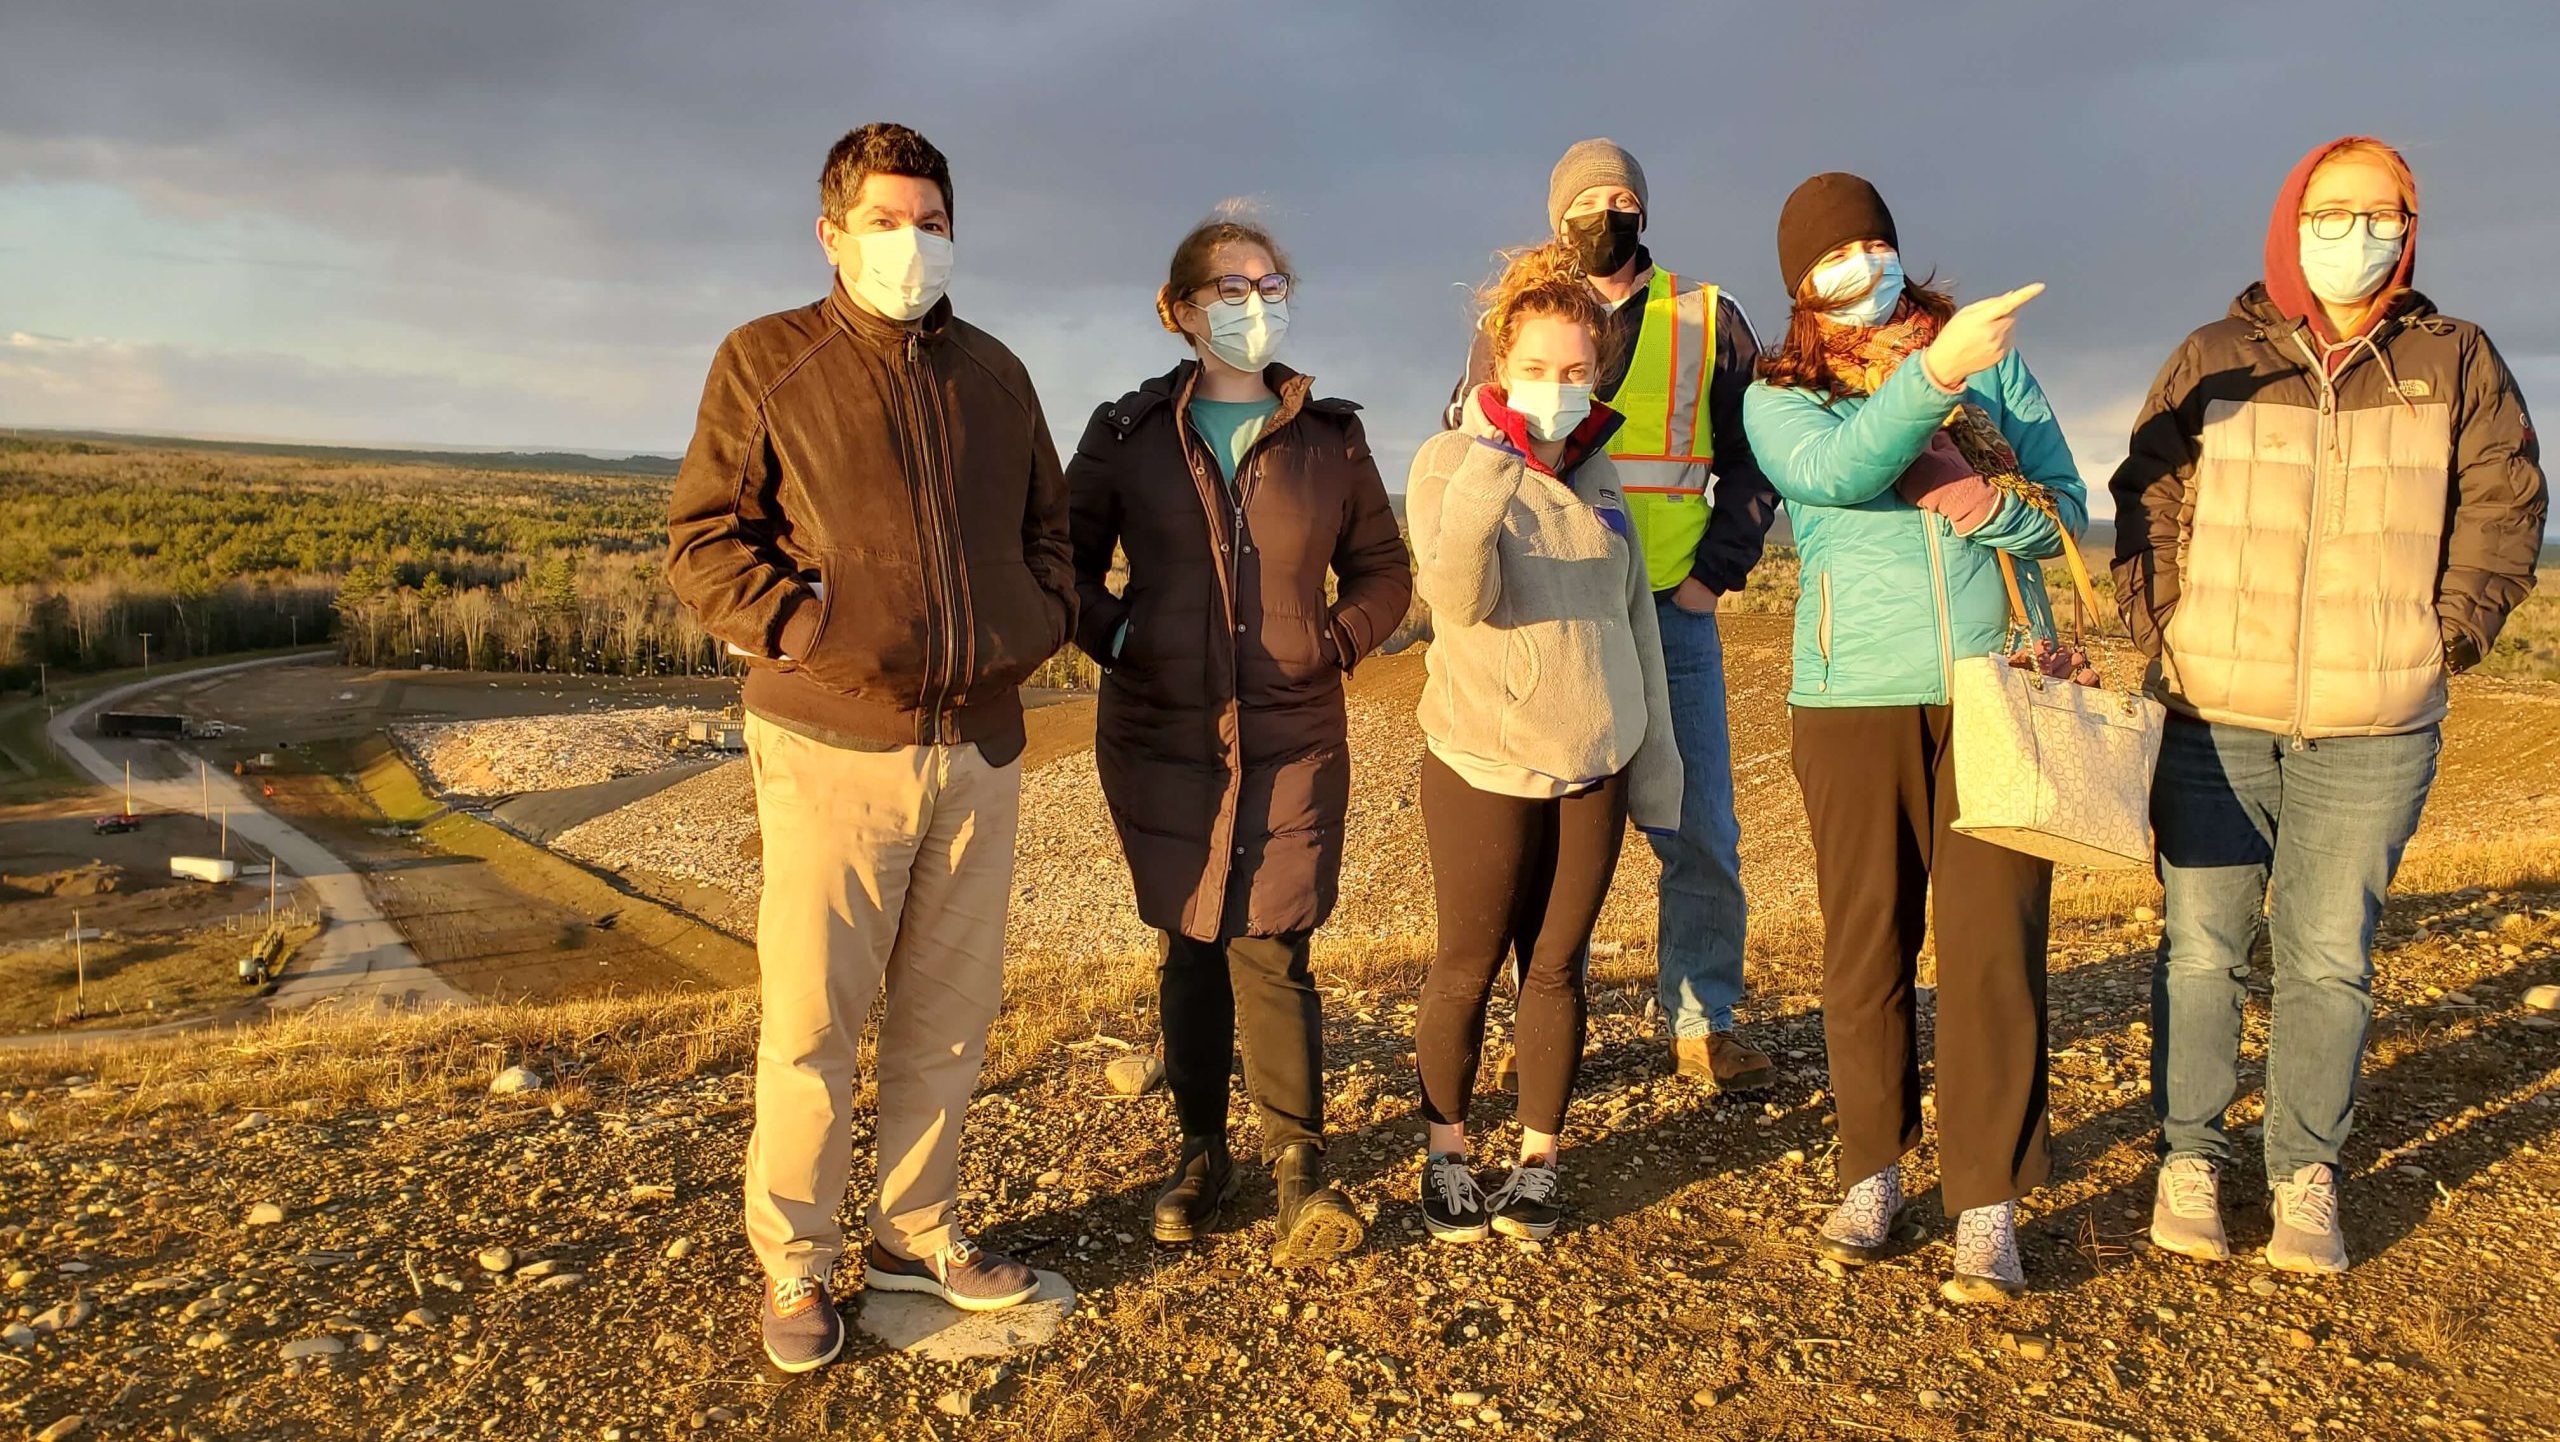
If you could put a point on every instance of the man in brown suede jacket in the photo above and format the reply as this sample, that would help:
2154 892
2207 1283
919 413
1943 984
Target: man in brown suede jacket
872 513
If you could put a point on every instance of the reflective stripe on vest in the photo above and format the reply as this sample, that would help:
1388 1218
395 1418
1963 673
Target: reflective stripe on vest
1666 447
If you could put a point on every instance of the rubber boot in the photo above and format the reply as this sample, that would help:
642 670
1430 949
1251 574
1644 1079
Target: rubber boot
1316 1222
1205 1181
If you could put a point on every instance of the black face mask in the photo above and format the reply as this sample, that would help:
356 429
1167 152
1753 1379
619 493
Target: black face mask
1603 241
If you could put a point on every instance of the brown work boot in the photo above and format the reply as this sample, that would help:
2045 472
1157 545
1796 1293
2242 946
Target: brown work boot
1723 1061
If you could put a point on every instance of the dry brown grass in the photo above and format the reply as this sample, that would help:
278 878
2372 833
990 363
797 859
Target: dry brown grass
323 1059
133 980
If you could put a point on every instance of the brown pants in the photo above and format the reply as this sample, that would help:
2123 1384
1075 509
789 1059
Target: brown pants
1880 792
879 866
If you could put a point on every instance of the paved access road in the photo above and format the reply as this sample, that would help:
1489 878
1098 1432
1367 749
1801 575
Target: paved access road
359 957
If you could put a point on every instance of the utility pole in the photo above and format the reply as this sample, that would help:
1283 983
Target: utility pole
204 789
226 833
128 786
146 653
80 967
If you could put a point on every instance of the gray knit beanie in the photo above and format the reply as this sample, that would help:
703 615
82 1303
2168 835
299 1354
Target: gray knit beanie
1590 163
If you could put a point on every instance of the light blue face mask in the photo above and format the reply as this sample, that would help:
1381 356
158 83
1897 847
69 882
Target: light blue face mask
2348 270
1881 275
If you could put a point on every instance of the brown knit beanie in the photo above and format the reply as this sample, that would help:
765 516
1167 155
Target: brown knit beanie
1827 211
1590 163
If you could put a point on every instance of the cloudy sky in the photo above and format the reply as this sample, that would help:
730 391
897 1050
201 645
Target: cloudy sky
489 223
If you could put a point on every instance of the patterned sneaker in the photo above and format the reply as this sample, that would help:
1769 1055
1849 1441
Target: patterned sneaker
801 1329
1452 1201
2307 1237
1858 1229
1987 1266
2186 1213
1525 1205
960 1274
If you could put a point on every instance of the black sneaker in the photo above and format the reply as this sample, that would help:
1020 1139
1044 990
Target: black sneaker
961 1274
1452 1200
801 1329
1525 1205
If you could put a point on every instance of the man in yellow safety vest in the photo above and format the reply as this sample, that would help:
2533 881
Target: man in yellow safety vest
1674 359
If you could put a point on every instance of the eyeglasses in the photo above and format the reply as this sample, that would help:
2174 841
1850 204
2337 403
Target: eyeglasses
1234 288
2339 224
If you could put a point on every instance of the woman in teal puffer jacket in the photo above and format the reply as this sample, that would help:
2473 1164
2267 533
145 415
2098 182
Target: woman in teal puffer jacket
1900 539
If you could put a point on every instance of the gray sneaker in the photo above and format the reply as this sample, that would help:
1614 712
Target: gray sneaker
2186 1211
962 1274
801 1329
2307 1236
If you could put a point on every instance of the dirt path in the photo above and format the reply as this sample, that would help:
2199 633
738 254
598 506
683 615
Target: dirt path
360 958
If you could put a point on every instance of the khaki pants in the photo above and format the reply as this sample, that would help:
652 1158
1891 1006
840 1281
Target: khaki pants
879 866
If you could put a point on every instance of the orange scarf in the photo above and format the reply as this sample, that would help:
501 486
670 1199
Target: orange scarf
1863 356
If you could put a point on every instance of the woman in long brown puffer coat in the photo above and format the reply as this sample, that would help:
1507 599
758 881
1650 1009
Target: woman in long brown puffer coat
1221 740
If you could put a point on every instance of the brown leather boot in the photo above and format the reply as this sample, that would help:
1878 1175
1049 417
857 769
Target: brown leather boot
1725 1062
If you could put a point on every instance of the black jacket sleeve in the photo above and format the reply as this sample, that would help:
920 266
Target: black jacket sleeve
2150 489
1093 528
1373 575
1746 505
2494 537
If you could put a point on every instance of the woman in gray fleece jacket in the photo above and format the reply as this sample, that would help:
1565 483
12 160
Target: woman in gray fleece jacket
1548 722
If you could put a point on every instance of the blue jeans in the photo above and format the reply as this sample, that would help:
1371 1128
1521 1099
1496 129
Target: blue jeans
1699 941
2310 837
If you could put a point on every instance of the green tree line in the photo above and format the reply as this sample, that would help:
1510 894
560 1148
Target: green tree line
400 563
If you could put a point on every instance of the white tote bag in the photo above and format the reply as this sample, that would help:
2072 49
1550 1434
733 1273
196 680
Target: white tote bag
2048 766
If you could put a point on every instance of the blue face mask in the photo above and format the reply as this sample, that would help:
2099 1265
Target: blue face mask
1879 275
2348 270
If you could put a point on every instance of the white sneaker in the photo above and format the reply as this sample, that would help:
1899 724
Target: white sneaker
2186 1211
2307 1236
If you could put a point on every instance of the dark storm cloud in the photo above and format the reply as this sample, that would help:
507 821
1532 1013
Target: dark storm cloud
632 179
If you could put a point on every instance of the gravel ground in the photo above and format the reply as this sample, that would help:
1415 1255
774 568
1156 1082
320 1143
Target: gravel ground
1071 887
1680 1299
544 753
157 1297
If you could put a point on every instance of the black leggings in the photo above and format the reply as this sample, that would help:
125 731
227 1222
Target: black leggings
1206 988
1504 869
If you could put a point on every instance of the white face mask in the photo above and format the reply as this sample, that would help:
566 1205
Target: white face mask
1247 336
1551 408
899 273
2348 270
1879 275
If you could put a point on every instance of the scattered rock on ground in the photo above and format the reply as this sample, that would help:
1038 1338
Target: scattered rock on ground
515 1079
936 1331
1134 1075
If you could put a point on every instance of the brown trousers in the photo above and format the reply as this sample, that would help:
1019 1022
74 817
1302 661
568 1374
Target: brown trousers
881 868
1880 792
